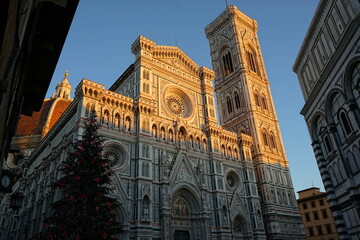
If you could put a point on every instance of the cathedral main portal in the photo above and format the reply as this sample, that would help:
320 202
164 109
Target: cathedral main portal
181 235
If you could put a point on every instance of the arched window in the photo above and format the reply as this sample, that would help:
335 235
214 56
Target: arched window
345 123
237 100
272 140
264 102
227 63
229 105
265 137
257 98
252 60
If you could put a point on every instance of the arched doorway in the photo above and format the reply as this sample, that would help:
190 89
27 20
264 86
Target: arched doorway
185 216
240 229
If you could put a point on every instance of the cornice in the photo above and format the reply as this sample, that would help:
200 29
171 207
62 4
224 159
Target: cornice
231 12
311 34
144 47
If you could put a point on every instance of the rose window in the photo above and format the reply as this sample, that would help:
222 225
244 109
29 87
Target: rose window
232 180
113 156
175 105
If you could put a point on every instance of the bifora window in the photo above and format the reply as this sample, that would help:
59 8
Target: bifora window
227 63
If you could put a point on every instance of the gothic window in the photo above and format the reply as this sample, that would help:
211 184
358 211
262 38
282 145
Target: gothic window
252 60
272 140
229 105
265 137
237 100
257 98
227 63
264 103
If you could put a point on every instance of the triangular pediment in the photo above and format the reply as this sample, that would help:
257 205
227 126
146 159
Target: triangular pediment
175 57
182 171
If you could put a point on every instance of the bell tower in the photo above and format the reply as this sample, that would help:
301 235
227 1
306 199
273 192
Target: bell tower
246 106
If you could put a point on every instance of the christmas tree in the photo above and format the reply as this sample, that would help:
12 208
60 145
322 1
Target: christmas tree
84 211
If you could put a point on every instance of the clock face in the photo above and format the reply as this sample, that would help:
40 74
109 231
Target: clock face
5 181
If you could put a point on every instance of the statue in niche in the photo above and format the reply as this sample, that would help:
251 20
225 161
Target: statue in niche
165 196
225 216
145 207
162 132
154 131
166 162
171 136
127 124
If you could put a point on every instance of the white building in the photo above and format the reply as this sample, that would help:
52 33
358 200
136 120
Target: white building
179 174
328 69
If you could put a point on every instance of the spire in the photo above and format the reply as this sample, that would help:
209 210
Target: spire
63 88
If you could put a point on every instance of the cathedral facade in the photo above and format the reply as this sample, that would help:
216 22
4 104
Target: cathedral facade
178 174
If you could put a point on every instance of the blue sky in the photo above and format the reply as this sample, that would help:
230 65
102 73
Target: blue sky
98 47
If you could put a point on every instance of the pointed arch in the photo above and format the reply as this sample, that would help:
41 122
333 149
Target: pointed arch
229 105
237 100
251 59
265 137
